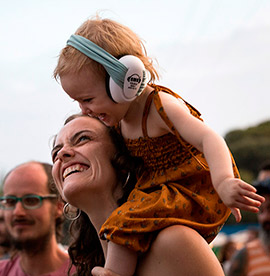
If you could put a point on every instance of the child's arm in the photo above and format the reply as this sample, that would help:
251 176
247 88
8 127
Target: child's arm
100 271
120 259
235 193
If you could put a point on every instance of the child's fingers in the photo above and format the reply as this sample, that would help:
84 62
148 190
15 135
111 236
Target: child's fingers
249 200
247 186
255 199
236 213
247 205
250 191
100 271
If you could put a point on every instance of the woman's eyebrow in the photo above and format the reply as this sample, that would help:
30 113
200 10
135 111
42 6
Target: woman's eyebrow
77 134
73 139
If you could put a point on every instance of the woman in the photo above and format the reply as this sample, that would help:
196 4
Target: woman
94 172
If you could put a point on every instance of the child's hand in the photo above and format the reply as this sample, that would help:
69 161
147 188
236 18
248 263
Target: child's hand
237 194
100 271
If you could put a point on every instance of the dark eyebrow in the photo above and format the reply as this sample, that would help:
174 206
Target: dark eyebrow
55 148
73 138
77 134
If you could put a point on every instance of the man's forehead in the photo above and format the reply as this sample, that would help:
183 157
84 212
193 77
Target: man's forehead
27 176
27 170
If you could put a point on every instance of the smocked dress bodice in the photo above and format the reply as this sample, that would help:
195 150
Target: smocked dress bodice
174 188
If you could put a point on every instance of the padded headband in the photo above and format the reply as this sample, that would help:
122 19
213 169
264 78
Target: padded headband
127 75
113 66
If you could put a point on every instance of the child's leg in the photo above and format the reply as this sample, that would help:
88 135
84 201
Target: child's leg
120 259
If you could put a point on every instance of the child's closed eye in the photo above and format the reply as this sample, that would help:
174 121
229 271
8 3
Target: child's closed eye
87 100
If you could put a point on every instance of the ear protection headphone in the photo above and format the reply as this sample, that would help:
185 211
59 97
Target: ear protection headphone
126 76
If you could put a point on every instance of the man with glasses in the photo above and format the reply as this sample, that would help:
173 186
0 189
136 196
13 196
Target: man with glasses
33 216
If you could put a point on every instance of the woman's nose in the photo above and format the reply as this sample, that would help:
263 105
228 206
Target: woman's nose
65 152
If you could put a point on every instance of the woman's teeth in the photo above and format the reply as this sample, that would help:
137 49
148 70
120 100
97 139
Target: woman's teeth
73 169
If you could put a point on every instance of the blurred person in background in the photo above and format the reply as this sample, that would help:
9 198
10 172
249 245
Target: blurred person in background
254 258
226 252
33 213
4 238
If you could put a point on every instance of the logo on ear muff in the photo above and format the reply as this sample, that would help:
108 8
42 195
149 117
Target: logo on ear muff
127 75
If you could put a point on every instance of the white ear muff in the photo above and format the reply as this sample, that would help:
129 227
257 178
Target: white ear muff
134 80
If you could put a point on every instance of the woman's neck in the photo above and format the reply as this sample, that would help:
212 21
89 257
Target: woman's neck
100 211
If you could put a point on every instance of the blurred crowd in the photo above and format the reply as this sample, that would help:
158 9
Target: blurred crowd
247 252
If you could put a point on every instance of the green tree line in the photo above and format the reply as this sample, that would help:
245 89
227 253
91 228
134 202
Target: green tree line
250 148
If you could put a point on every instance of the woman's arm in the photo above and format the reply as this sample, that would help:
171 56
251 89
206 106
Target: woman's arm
177 251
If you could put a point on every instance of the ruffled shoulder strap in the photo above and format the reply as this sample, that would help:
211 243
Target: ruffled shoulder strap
155 95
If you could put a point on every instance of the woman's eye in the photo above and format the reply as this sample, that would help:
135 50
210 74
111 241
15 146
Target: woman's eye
54 155
83 138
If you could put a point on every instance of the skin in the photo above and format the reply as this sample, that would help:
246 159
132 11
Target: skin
25 225
165 256
88 89
84 141
92 97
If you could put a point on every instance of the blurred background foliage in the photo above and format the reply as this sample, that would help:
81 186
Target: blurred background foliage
250 148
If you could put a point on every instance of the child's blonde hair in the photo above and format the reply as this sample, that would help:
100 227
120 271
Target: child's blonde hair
115 38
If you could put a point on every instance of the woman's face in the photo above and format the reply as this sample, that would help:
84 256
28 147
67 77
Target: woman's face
82 161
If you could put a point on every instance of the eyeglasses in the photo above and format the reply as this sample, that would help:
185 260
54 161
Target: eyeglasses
29 202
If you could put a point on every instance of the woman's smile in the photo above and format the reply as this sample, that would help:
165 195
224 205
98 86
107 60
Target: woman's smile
75 168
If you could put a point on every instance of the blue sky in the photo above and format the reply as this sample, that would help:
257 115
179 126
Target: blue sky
214 53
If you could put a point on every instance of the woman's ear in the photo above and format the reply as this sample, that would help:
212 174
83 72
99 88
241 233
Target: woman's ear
59 208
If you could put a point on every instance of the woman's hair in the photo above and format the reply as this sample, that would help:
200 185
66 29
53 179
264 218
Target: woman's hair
113 37
85 250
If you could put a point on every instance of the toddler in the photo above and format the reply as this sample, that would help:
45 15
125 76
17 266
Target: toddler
189 176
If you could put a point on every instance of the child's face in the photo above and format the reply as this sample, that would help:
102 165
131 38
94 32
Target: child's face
89 90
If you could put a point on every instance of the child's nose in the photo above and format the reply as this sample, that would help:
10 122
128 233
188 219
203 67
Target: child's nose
85 109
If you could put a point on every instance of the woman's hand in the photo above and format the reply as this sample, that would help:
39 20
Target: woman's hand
237 194
100 271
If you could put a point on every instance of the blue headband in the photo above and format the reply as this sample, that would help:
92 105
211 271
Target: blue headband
113 66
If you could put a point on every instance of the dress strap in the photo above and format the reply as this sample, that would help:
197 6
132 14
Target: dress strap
169 123
146 112
155 95
164 116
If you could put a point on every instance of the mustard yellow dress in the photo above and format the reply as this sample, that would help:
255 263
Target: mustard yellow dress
174 188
